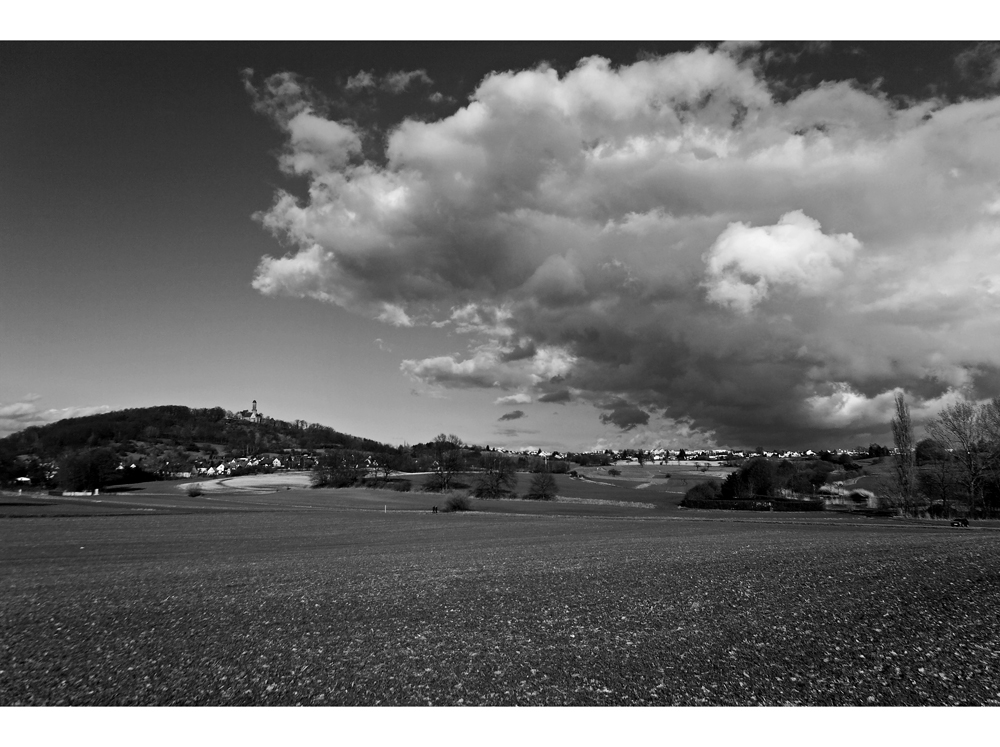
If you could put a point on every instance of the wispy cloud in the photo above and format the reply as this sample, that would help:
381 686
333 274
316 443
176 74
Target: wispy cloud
514 433
513 399
399 81
439 98
363 79
392 82
515 415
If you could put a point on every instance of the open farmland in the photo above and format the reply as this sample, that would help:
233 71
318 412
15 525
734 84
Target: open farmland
346 598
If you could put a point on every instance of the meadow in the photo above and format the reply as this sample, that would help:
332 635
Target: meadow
362 597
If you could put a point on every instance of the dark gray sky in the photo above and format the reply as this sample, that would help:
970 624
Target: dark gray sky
627 243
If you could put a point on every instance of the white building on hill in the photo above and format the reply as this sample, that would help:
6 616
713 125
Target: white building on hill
252 415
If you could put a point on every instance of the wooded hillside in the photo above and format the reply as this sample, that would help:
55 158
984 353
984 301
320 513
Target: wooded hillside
177 427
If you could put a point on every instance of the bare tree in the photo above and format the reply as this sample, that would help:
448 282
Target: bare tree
938 478
340 469
543 487
497 479
382 465
447 460
962 429
904 473
990 412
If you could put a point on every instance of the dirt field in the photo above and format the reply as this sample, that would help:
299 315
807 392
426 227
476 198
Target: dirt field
252 483
343 597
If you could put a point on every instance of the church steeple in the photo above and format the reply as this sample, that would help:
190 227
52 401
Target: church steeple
253 416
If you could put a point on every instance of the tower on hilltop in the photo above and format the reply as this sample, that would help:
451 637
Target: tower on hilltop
253 416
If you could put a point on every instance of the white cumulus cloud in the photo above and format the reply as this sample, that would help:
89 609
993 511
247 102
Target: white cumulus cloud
667 233
744 262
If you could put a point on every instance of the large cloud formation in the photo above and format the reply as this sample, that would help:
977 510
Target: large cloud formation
668 237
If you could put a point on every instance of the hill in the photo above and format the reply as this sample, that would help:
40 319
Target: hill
170 438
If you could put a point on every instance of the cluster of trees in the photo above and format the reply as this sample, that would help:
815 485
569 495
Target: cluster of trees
88 469
453 465
956 468
760 478
75 470
640 455
845 460
590 459
341 468
12 468
878 451
497 478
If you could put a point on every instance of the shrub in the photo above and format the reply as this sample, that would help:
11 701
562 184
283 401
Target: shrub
457 502
399 484
333 482
757 478
793 505
703 491
194 490
435 484
773 504
800 483
614 472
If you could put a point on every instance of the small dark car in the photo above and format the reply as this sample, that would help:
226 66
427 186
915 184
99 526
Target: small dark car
963 522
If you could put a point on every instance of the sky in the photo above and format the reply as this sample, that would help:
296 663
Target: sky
558 245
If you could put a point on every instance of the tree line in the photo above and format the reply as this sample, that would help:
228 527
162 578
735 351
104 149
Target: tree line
956 469
452 464
765 480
